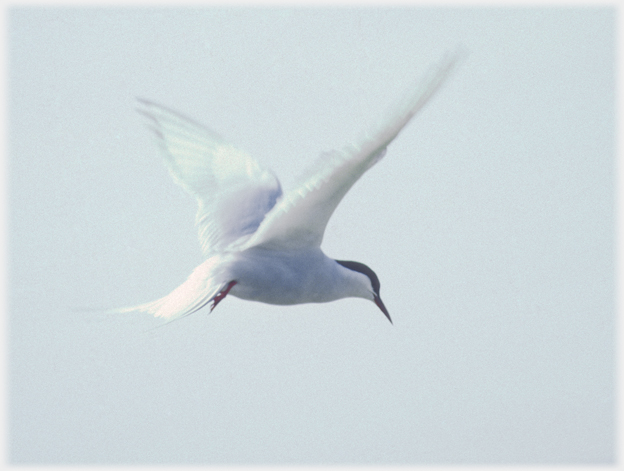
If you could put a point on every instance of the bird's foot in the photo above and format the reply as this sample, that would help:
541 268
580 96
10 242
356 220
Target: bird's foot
222 294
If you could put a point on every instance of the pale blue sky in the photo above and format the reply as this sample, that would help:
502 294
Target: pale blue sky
490 223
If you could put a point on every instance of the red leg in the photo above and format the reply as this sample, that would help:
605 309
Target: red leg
222 294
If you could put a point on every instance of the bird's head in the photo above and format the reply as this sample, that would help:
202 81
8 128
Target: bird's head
374 282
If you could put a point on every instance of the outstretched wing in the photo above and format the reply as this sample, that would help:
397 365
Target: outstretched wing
299 219
233 192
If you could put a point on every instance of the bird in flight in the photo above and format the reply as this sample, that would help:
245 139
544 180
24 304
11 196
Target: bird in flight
259 243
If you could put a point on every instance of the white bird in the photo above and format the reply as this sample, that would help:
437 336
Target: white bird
261 244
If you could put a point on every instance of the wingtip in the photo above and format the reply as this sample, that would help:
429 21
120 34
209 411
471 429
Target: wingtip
451 60
144 101
456 56
143 108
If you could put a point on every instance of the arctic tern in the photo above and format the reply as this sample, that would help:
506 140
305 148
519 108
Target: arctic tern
259 243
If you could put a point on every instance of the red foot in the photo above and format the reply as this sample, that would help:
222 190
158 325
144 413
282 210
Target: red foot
222 294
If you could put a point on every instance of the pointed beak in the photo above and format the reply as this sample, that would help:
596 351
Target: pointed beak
381 306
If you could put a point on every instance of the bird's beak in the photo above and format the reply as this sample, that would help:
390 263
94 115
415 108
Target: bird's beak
381 306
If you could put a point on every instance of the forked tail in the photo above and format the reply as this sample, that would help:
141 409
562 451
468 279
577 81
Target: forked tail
199 289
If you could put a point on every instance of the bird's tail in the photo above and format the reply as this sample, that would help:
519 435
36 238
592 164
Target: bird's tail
199 289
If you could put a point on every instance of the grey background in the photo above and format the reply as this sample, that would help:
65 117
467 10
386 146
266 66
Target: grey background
489 222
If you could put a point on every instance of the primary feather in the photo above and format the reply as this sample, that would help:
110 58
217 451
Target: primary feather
233 192
299 219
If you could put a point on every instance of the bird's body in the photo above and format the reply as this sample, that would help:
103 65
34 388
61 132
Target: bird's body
303 276
262 244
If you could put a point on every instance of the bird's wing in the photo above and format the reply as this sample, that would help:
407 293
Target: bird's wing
299 219
233 191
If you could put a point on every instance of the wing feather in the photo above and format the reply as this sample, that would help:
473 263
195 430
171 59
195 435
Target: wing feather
233 191
299 219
